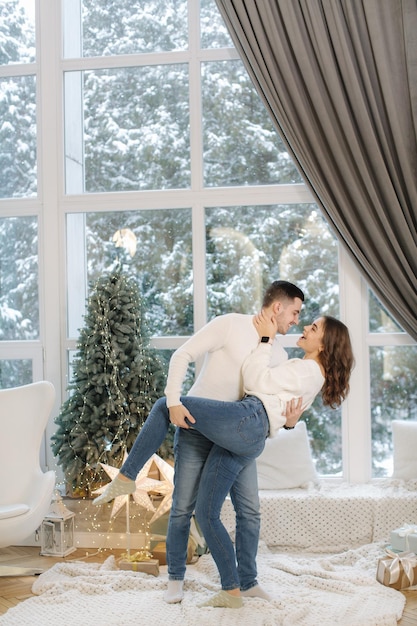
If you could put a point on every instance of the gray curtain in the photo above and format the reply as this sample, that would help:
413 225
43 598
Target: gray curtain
339 79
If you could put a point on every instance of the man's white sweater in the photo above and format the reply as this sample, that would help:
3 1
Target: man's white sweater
224 342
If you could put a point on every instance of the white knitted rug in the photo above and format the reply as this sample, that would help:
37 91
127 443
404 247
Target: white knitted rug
308 591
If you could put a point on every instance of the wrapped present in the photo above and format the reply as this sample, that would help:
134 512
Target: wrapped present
398 571
159 551
404 539
197 536
140 562
196 541
159 528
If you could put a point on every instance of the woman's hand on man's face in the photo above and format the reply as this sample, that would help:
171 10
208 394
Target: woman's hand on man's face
265 324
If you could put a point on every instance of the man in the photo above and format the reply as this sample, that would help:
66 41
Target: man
220 379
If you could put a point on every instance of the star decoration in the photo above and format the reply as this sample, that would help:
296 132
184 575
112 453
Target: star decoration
144 484
166 486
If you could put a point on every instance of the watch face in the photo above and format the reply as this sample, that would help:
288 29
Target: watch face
264 339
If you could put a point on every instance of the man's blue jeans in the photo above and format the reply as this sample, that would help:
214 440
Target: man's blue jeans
191 451
242 428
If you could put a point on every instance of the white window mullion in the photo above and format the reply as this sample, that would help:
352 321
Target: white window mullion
356 411
197 183
199 266
73 100
50 184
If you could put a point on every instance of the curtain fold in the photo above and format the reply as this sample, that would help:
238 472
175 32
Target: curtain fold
339 79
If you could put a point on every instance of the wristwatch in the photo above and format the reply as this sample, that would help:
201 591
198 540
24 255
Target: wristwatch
288 427
265 339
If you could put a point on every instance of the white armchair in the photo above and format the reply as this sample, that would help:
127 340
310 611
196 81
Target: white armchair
26 491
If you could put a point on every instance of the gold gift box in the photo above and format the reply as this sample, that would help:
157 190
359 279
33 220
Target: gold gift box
159 551
398 571
140 562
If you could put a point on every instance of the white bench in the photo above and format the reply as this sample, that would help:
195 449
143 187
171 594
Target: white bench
329 518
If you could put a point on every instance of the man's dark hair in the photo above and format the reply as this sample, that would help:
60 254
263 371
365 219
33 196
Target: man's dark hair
281 290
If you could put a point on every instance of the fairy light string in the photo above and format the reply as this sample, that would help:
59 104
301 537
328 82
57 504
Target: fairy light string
116 379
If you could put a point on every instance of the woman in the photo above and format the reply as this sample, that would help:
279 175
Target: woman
239 429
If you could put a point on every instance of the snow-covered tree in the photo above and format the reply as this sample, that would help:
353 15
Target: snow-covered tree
19 302
17 105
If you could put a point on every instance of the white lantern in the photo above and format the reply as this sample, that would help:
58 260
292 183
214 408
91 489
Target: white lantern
57 529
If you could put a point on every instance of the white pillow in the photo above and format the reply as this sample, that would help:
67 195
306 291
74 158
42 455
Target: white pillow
404 439
286 461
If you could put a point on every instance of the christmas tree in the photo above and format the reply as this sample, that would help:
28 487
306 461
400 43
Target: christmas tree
116 379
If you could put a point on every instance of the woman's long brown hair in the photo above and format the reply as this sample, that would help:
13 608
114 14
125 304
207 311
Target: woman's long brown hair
338 361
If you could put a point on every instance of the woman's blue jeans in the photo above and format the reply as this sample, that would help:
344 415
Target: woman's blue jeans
239 430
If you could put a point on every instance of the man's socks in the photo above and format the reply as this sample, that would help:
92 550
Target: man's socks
222 599
174 592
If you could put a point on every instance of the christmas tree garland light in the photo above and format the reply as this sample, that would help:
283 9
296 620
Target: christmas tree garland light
116 380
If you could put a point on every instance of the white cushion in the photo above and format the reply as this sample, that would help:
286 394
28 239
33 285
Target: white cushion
286 461
404 439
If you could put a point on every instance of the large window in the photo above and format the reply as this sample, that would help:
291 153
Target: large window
393 368
135 135
20 348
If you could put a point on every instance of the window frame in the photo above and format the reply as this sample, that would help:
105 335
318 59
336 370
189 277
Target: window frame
52 205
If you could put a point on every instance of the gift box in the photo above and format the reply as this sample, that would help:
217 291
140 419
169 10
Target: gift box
404 539
398 571
138 563
159 551
197 536
159 528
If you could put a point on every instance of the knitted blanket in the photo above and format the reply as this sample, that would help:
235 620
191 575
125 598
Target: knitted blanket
336 590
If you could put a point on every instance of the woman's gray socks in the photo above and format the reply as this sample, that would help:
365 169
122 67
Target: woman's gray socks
117 487
225 600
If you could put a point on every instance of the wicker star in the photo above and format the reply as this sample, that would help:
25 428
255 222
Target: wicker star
144 484
166 486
